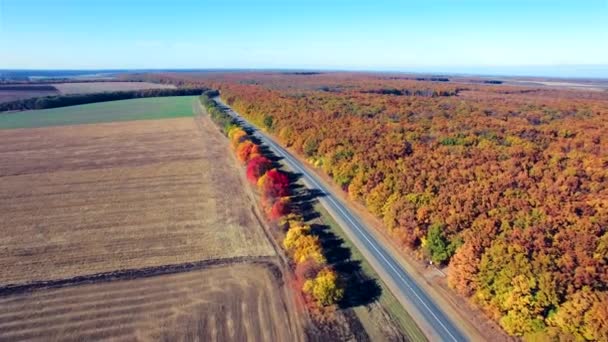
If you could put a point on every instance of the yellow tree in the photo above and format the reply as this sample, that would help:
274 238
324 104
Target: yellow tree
324 287
295 232
237 136
308 247
303 245
582 315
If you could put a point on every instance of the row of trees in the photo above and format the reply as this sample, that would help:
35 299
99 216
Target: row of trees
77 99
506 186
318 280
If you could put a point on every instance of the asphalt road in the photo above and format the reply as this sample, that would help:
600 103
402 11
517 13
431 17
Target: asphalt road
432 320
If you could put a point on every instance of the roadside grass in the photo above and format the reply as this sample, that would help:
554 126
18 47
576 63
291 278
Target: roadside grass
121 110
385 298
367 294
368 291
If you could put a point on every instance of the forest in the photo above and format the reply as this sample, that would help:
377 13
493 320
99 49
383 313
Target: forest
505 187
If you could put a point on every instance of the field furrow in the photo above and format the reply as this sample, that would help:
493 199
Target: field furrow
240 302
89 199
128 231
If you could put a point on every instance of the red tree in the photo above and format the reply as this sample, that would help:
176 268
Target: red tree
279 209
274 184
256 167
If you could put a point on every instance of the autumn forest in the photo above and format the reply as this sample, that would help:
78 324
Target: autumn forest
505 187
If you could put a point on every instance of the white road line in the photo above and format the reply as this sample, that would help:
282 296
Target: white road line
348 216
381 253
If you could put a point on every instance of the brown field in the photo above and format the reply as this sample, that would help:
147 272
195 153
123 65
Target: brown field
236 302
18 92
80 200
97 87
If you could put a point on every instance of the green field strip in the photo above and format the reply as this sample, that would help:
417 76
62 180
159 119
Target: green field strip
122 110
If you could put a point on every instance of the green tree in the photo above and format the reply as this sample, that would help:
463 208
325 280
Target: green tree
436 244
310 146
268 121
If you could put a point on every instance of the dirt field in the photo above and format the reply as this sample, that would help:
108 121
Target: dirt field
98 87
17 92
79 200
238 303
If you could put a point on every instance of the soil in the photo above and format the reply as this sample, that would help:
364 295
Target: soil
237 302
87 199
98 87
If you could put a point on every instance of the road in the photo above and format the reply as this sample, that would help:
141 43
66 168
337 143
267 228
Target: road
428 315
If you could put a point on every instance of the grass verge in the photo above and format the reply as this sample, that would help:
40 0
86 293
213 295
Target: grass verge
386 298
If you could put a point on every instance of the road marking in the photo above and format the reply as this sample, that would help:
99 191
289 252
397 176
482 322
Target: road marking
364 235
338 206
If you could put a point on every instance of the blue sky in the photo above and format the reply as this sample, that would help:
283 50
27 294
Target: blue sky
433 35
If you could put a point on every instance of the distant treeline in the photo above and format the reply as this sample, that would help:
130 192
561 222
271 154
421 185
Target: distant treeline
433 79
77 99
27 87
223 120
413 92
304 73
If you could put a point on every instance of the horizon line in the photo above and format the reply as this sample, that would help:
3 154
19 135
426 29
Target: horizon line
423 70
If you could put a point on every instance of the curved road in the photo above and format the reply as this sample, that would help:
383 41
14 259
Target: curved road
430 318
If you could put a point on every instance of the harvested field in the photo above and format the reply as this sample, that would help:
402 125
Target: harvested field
122 110
236 302
99 87
18 92
78 200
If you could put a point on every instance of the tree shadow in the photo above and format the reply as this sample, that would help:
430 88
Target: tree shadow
359 289
303 199
265 150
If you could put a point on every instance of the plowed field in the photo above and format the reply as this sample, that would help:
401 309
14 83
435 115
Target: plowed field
86 199
241 302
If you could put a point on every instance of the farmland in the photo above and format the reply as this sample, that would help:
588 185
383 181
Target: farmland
95 198
132 230
97 87
18 92
229 302
123 110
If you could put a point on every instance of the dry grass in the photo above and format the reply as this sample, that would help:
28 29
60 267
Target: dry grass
86 199
238 303
98 87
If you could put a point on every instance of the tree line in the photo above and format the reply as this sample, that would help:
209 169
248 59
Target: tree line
506 186
412 92
55 101
318 281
